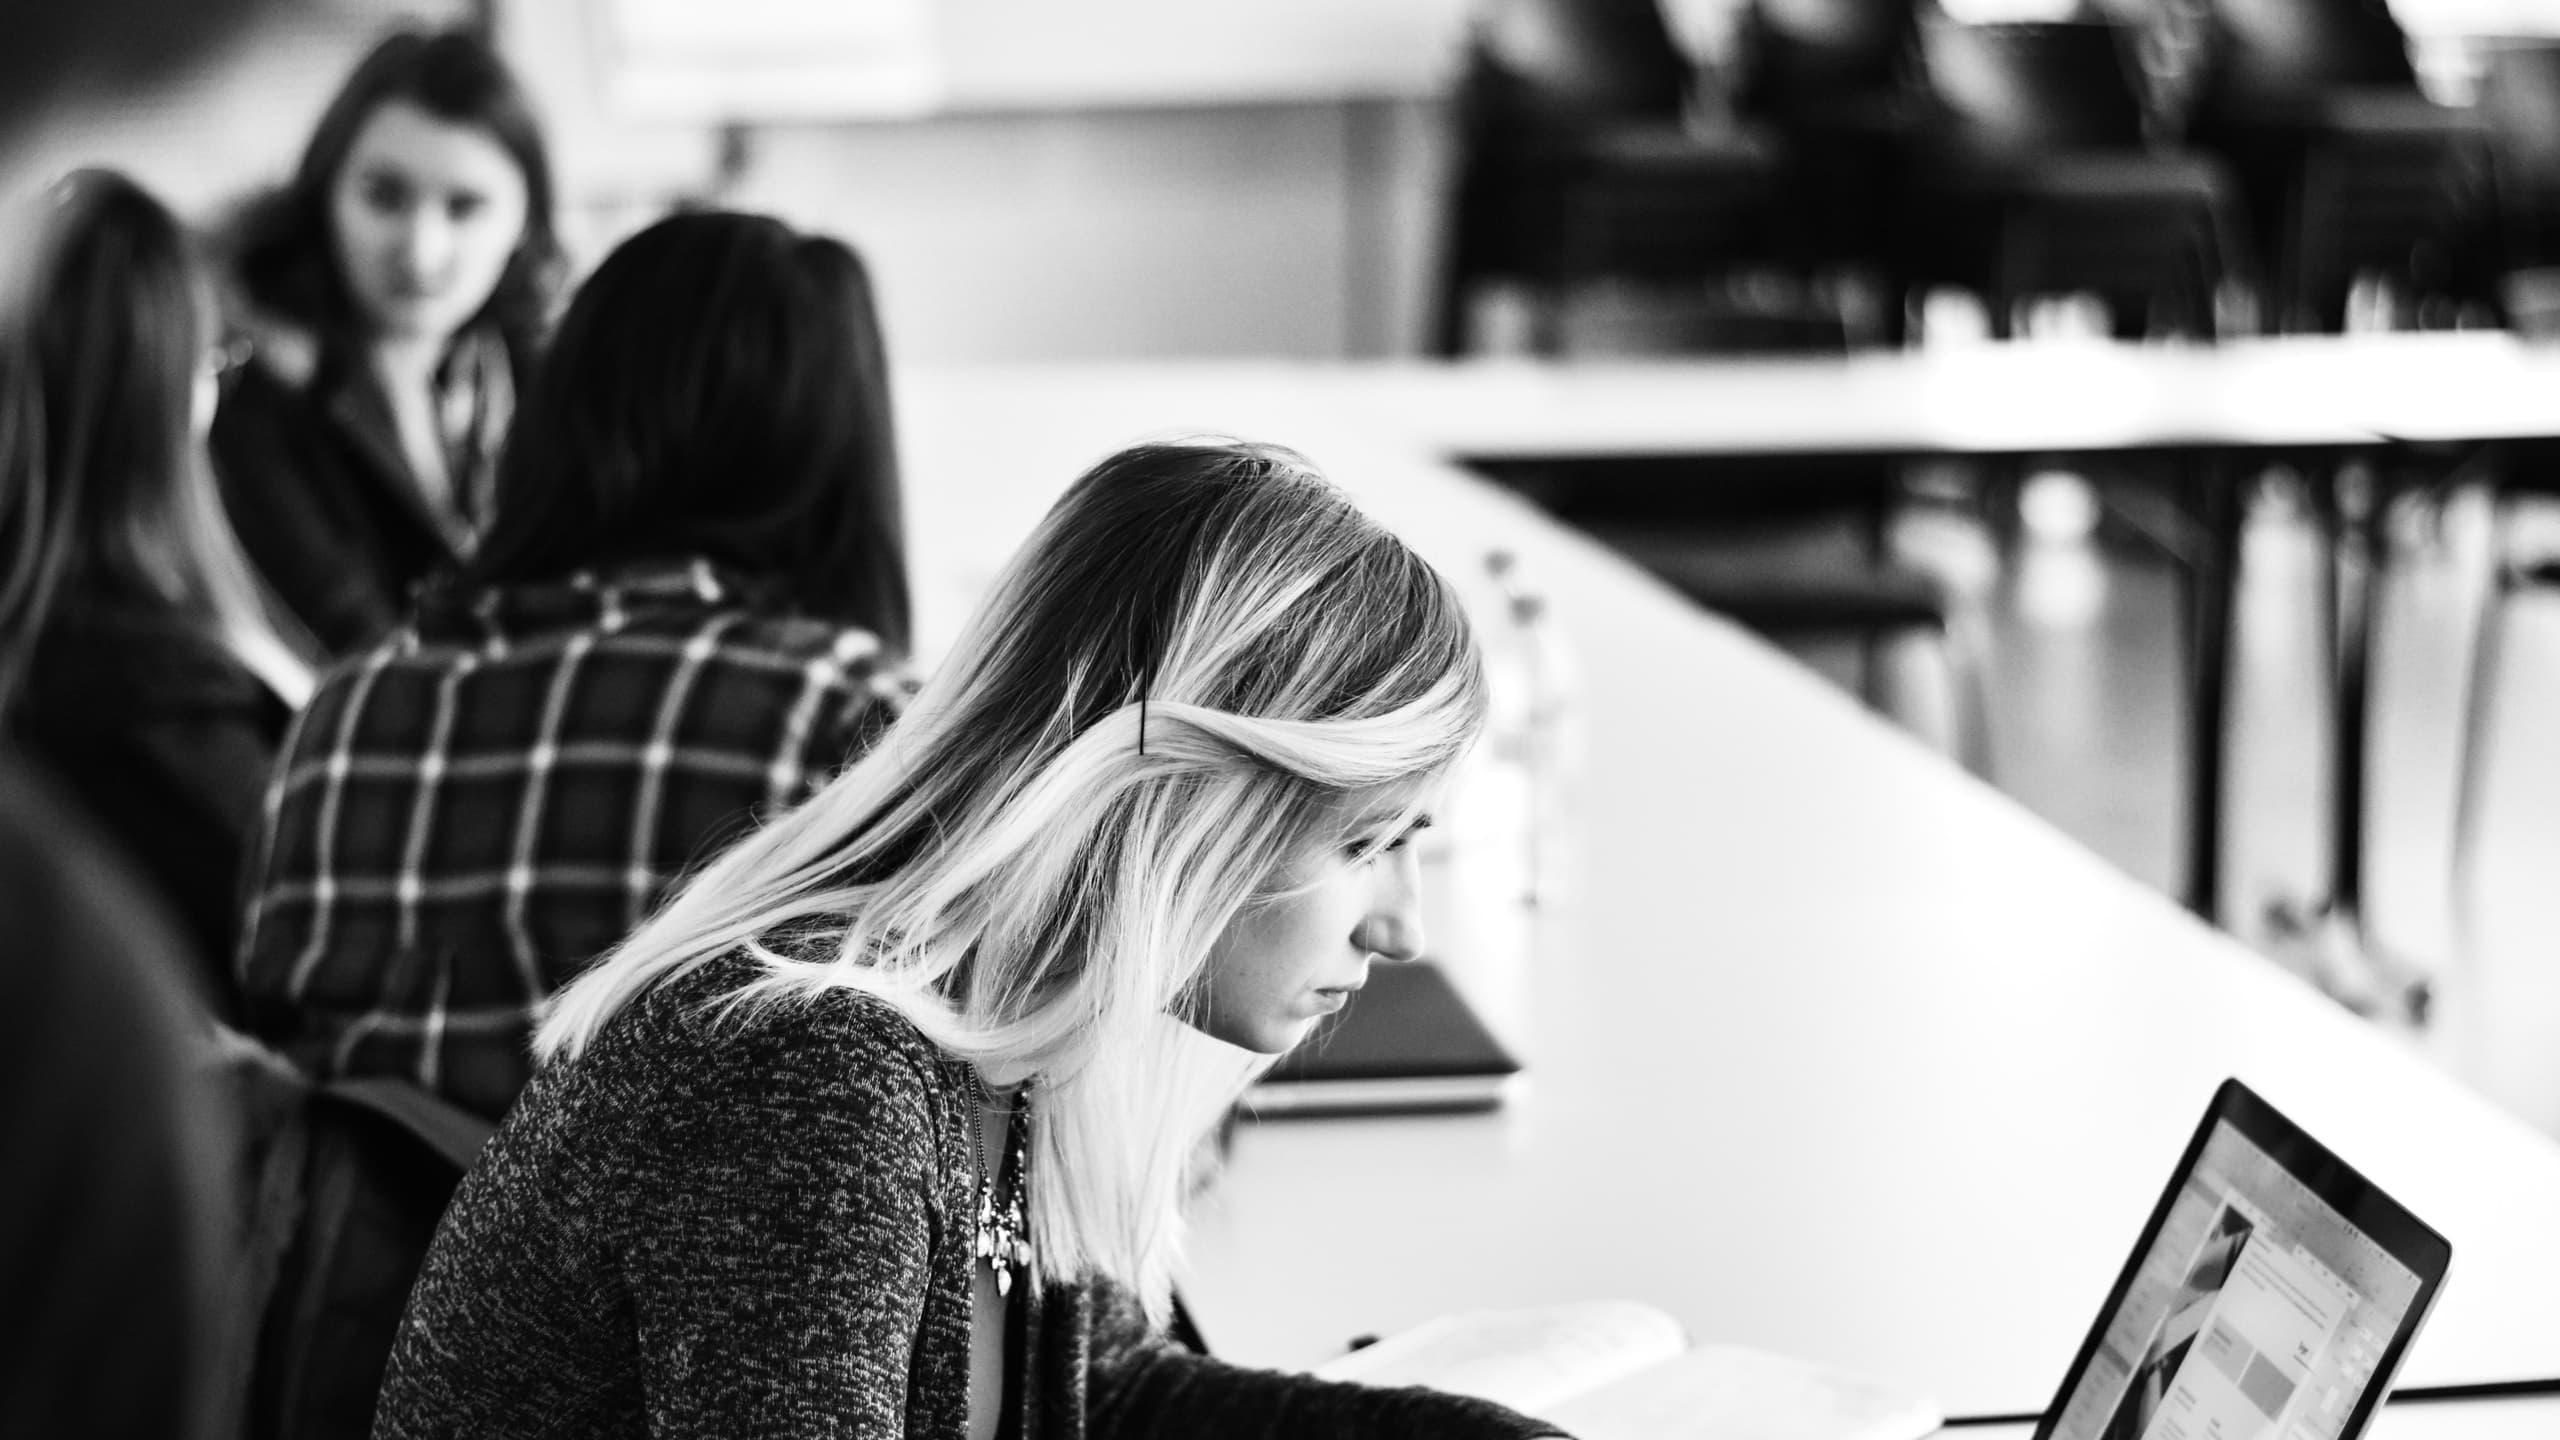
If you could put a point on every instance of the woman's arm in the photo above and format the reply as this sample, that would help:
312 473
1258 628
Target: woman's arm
778 1255
1141 1386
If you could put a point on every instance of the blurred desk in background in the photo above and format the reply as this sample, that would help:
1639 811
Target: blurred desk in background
1832 1048
2222 410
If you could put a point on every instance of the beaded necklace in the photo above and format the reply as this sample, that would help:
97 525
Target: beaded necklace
1004 1232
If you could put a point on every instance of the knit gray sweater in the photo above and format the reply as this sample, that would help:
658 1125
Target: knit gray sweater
759 1226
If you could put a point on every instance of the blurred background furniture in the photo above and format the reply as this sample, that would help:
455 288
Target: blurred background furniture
2515 229
1577 163
2035 175
2347 169
2518 232
1800 550
1587 159
2521 477
1837 82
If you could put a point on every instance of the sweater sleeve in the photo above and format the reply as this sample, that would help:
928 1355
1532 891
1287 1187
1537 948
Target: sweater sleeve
1141 1386
778 1246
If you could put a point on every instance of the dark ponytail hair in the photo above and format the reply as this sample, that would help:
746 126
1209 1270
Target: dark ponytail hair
104 491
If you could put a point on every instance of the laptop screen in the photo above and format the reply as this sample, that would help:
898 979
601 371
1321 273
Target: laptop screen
2271 1291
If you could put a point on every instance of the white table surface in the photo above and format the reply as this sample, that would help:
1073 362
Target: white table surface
2308 391
1834 1050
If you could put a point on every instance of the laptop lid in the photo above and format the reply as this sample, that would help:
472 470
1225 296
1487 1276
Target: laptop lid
2271 1296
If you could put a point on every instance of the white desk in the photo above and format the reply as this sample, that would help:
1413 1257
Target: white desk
1836 1051
2305 392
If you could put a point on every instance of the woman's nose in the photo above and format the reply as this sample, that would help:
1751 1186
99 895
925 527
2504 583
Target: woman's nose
1392 930
428 241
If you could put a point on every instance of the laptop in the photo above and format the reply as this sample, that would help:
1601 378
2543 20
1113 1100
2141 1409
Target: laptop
2271 1296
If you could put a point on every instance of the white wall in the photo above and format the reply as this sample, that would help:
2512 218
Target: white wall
1291 230
1301 224
240 120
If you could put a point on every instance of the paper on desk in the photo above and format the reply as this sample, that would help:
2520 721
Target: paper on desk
1733 1392
1620 1370
1530 1359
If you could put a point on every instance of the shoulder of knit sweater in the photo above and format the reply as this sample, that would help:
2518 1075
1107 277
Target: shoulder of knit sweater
862 1027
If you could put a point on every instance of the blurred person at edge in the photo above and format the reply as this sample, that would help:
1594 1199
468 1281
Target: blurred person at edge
114 1283
135 656
690 611
390 299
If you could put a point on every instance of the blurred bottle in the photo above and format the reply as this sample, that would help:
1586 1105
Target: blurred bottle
1491 862
1524 674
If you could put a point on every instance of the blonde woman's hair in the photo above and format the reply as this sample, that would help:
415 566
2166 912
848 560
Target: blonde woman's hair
1205 660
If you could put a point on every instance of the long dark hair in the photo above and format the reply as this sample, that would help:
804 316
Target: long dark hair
284 255
718 387
103 486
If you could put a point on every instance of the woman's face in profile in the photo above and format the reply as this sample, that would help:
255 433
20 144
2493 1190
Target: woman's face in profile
1296 955
425 213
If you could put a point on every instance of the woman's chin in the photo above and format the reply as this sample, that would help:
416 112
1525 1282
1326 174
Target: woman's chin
1262 1037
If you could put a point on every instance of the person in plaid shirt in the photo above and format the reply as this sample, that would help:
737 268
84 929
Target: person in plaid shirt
687 614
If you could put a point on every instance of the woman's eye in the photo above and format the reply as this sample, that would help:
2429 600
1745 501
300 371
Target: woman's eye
386 196
463 207
1363 851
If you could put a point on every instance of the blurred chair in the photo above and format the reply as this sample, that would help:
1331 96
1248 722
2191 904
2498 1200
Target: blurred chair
2527 474
2035 177
1799 551
1837 82
2346 168
1577 163
2517 229
1807 59
2516 250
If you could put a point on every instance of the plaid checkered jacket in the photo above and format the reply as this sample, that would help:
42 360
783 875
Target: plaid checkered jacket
469 813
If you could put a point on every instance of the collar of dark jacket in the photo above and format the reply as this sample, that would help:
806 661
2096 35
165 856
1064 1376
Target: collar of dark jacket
603 598
332 373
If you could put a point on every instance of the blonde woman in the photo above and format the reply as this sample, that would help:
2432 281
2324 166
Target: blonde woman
880 1126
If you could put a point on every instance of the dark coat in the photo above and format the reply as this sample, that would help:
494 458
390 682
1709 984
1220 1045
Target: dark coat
166 739
321 495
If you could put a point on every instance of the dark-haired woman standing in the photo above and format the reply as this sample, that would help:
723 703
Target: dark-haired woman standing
391 297
687 611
